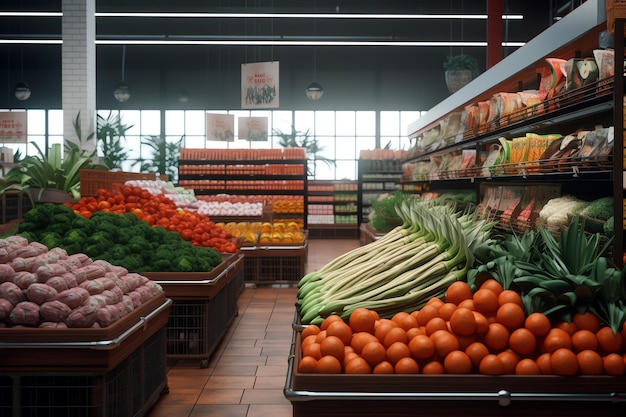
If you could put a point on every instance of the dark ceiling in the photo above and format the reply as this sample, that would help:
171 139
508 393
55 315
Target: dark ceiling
374 77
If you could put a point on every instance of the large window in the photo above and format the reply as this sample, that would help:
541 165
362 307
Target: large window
340 135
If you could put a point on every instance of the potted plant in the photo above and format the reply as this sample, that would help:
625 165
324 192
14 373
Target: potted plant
297 139
460 70
51 176
164 157
110 134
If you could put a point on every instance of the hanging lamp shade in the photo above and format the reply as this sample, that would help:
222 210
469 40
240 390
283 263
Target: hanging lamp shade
22 91
314 91
122 92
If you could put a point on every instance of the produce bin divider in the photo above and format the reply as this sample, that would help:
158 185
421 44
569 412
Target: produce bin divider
274 264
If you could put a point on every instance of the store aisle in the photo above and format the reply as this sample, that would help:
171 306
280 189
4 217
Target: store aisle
246 374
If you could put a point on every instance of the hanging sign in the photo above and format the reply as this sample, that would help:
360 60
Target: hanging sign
220 127
253 129
13 127
259 85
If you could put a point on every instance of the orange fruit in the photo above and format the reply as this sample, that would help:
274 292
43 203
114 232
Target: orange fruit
509 361
433 368
360 339
568 326
358 365
341 330
406 365
586 321
374 353
522 341
485 301
590 362
332 346
509 296
445 342
397 351
527 366
348 356
608 341
511 315
421 347
328 320
311 329
538 323
362 320
476 351
491 365
436 323
382 327
435 302
426 313
446 310
555 339
492 285
457 292
320 336
463 322
328 365
564 362
405 321
482 324
584 340
411 333
614 364
397 334
465 341
497 336
384 367
457 362
543 361
307 365
469 303
312 349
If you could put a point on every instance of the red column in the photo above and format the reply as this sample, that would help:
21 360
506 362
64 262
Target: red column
494 32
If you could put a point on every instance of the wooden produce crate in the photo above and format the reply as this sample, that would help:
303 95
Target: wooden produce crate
77 349
93 179
204 306
130 389
342 395
274 263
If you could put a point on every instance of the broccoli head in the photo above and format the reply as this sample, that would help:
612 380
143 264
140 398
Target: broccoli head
601 208
50 239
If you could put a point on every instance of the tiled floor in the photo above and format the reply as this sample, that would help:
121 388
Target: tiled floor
246 373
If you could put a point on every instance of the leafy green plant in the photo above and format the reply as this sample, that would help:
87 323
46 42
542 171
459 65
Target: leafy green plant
52 170
110 134
298 139
462 62
164 156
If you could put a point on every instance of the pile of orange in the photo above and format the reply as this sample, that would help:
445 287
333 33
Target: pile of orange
486 332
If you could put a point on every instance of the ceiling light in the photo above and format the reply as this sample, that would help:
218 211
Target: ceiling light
122 92
314 91
310 16
22 91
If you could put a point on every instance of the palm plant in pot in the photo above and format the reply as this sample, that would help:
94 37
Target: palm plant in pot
110 134
298 139
53 176
460 70
164 156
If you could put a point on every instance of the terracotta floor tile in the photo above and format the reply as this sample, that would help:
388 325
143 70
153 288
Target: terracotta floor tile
272 370
167 410
220 396
219 410
264 410
234 370
264 396
186 381
270 382
178 396
229 382
242 351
